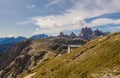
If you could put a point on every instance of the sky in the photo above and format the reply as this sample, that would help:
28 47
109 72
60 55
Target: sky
30 17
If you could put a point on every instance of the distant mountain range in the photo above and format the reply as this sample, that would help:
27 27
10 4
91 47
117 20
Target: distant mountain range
39 36
8 42
13 40
86 33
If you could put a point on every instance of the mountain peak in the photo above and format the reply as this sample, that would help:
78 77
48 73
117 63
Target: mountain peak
72 35
88 34
39 36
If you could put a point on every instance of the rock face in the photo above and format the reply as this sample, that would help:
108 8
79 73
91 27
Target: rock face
20 57
88 34
26 55
72 35
62 35
7 60
97 33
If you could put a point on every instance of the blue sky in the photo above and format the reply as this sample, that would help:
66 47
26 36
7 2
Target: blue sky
29 17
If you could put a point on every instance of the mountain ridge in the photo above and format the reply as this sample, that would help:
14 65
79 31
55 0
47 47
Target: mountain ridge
99 58
26 55
48 58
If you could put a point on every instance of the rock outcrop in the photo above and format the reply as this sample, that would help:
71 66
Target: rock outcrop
72 35
88 34
22 56
62 35
26 55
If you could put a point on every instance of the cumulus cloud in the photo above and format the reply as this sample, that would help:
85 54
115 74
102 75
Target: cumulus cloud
54 24
73 18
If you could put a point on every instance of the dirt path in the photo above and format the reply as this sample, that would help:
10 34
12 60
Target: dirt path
29 76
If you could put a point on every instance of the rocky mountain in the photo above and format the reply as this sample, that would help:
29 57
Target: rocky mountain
8 42
48 57
3 47
26 55
97 33
39 36
72 35
20 57
88 34
62 35
13 40
99 58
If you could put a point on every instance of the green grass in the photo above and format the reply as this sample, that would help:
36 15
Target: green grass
93 57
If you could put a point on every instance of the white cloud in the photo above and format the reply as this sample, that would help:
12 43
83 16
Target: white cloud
30 6
29 21
8 35
54 2
55 24
104 21
73 19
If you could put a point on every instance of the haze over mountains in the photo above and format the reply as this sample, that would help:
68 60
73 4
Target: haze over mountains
13 40
8 42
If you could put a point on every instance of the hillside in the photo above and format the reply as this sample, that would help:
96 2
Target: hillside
25 55
99 58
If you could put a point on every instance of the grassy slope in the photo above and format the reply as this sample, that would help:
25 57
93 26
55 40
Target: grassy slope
93 57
